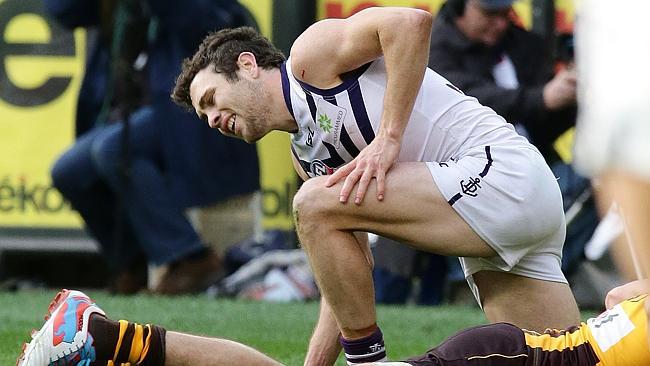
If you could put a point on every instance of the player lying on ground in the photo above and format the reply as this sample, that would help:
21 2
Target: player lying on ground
437 169
78 333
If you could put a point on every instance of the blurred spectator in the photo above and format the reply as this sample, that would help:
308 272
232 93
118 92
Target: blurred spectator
402 274
139 161
476 45
479 47
613 47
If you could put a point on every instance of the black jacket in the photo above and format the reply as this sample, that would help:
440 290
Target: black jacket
469 66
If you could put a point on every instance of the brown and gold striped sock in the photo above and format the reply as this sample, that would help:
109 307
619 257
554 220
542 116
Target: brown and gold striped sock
124 343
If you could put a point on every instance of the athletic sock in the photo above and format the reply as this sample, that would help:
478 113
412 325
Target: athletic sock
118 343
366 349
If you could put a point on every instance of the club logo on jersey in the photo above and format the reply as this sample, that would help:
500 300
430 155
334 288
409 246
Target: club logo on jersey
471 187
610 327
319 168
325 122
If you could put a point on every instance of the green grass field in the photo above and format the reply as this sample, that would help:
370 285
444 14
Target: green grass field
280 330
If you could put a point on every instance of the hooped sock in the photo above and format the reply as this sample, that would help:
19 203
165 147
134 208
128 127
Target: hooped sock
118 343
366 349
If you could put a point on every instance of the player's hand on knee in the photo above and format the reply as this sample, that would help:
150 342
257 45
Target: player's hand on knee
372 162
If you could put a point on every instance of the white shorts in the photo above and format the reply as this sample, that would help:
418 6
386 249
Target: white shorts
511 199
613 57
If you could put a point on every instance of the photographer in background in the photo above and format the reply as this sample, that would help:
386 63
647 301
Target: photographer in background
479 47
476 45
139 161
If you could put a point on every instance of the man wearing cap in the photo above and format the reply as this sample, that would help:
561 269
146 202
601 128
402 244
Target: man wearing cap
476 45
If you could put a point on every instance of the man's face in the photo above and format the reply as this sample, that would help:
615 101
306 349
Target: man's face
238 109
483 25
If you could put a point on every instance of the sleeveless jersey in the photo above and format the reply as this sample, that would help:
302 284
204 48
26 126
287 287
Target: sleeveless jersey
617 337
336 124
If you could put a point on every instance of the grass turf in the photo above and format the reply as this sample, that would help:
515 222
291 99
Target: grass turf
280 330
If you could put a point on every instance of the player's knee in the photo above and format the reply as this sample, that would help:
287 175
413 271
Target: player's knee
309 203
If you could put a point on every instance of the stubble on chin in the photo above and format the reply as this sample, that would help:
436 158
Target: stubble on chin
258 116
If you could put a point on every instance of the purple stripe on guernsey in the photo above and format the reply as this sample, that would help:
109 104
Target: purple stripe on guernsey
349 79
286 89
330 98
303 164
347 142
335 160
350 83
360 114
311 104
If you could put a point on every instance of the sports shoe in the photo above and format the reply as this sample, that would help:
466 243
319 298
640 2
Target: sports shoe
64 339
191 275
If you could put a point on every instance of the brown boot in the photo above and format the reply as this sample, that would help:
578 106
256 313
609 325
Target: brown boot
189 276
130 281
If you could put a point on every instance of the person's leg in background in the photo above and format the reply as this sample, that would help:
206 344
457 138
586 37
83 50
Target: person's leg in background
613 128
164 233
632 194
581 214
75 175
619 249
393 271
432 272
398 266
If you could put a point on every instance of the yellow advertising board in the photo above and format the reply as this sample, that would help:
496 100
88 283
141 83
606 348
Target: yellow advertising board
41 67
278 179
345 8
262 10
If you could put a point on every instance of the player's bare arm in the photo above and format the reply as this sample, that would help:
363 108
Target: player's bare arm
332 47
324 346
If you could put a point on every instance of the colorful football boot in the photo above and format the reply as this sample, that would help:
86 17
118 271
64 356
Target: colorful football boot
64 339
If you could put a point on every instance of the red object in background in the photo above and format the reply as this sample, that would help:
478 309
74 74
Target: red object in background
335 9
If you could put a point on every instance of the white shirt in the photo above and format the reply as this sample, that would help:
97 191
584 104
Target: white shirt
337 123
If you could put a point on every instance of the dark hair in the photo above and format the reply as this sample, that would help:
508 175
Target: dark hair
221 50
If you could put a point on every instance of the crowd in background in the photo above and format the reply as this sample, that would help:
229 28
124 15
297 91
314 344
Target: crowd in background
139 162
